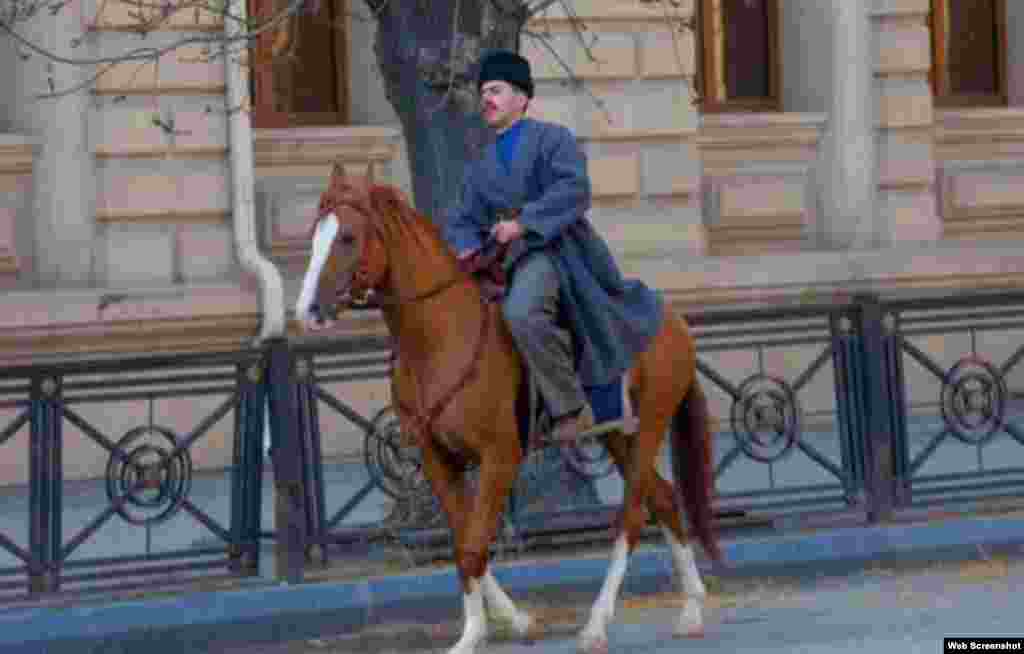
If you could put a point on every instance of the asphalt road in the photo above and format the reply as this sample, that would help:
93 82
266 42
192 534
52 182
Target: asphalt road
902 609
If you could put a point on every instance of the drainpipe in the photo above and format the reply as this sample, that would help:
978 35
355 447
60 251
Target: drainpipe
242 185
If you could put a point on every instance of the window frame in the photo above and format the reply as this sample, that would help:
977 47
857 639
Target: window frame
939 74
711 53
262 76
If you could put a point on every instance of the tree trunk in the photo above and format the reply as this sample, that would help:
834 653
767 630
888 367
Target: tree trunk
429 75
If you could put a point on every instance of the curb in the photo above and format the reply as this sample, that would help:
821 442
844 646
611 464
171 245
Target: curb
203 622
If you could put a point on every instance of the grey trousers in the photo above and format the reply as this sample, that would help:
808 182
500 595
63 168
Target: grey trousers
531 310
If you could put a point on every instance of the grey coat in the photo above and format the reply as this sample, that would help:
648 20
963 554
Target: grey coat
612 319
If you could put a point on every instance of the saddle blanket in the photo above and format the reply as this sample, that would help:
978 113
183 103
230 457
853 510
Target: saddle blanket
612 406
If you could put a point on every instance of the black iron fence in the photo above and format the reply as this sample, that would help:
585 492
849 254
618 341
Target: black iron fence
855 410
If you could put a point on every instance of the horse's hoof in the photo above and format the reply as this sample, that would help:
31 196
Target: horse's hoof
697 632
591 644
690 623
534 633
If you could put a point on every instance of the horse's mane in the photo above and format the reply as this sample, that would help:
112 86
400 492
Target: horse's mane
386 203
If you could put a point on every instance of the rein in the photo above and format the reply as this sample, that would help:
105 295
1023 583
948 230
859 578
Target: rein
358 293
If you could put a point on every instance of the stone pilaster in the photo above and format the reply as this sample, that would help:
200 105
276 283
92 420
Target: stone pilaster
59 232
848 167
901 62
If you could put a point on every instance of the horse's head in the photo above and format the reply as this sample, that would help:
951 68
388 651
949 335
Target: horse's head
347 257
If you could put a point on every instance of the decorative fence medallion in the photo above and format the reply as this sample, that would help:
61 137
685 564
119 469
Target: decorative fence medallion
973 400
393 462
148 475
765 418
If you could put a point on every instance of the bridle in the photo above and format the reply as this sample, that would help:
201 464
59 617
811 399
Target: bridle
357 295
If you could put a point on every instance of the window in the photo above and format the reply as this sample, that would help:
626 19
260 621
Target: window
738 55
969 52
306 82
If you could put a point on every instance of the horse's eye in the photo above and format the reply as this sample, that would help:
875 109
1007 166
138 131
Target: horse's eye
348 238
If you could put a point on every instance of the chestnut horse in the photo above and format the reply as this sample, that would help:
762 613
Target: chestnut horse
454 387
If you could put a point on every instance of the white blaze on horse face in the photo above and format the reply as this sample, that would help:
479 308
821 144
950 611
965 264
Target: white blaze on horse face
322 241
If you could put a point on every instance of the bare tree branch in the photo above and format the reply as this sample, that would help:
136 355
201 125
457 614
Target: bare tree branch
154 52
575 82
451 61
54 93
377 6
671 21
538 8
578 29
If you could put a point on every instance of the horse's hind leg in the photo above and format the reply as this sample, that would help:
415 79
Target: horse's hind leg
639 475
663 505
505 610
665 508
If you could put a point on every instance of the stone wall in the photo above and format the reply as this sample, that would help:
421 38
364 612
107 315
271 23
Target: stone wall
635 116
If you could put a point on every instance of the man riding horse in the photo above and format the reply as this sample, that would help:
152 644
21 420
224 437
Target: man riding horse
531 191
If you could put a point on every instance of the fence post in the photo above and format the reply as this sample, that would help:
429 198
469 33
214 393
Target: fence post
286 454
878 410
247 475
44 486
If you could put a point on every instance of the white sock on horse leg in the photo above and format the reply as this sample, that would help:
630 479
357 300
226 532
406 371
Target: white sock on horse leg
691 620
502 605
475 628
595 634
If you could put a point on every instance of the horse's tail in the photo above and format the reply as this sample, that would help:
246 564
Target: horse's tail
692 465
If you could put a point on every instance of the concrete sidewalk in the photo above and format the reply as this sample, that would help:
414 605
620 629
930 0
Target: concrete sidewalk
212 621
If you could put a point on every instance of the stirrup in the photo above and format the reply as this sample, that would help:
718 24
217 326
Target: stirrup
625 425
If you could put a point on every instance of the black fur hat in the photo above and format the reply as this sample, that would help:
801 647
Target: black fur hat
508 67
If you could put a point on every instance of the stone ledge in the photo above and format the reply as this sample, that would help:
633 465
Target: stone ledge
161 152
40 325
321 145
899 9
979 134
803 275
161 216
17 154
600 11
695 284
727 142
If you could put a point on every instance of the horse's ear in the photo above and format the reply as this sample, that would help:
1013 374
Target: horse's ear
386 198
337 172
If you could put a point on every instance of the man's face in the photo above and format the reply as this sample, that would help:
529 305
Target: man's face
501 103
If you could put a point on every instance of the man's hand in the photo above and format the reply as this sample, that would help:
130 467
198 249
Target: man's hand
507 230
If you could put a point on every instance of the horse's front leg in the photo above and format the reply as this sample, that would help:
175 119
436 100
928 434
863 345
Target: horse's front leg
498 469
447 481
640 480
